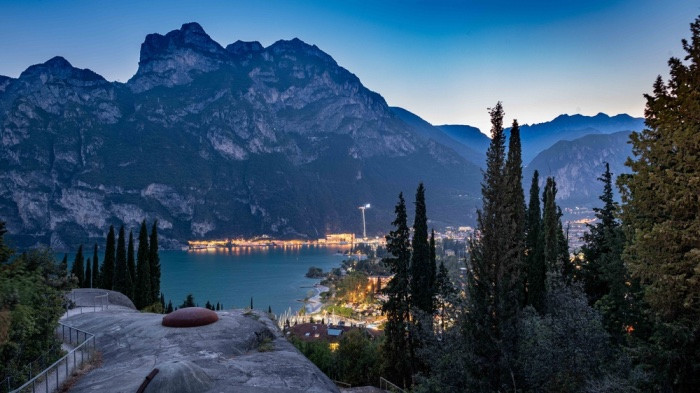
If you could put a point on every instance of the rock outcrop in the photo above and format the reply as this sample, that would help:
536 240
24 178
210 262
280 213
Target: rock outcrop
241 352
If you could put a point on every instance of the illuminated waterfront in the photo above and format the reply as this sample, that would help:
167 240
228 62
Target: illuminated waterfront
273 276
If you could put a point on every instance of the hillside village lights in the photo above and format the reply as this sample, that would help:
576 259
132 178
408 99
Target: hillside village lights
364 228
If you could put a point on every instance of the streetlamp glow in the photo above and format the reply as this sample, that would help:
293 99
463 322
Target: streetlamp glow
364 227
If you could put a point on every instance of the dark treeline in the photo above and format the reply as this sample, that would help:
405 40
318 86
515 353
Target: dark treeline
135 273
621 316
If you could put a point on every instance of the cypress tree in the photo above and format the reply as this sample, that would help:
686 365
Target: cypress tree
122 278
63 266
95 269
169 309
536 270
154 261
550 234
108 265
420 272
515 220
444 291
492 315
396 349
78 269
131 266
251 302
88 274
432 268
661 221
142 292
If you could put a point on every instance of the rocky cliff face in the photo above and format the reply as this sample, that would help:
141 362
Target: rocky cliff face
212 142
576 165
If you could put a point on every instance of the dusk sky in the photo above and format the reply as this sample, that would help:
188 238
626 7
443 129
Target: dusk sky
446 61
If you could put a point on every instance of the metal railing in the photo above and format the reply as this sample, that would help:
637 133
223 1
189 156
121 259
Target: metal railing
100 301
389 387
51 378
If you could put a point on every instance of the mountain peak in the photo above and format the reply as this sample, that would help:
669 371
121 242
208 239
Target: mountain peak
243 47
169 59
192 27
59 68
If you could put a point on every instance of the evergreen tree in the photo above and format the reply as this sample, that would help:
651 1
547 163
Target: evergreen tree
515 221
662 225
208 306
445 290
162 301
95 269
251 302
108 265
189 301
432 268
62 267
603 273
549 235
142 291
421 274
269 309
78 269
169 309
396 349
131 266
493 305
536 270
154 261
88 274
122 279
5 251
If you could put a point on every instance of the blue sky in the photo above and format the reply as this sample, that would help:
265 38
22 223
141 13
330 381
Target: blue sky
446 61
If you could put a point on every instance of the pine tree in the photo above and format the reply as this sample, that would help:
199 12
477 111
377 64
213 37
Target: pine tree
603 273
421 294
122 278
142 291
154 261
108 265
95 269
88 274
169 309
78 269
131 266
536 270
396 350
660 215
492 315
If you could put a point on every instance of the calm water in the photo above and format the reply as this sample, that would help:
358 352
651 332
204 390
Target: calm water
272 276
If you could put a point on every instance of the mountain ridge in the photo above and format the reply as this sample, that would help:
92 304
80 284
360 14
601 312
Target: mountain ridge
278 140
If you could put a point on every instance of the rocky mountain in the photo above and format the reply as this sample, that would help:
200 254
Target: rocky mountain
463 147
538 137
213 142
577 164
469 136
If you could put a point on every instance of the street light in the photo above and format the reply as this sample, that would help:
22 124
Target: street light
364 228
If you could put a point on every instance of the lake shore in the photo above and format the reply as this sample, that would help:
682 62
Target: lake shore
314 304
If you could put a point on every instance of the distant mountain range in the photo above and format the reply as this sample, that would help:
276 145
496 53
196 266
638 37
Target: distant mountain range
236 141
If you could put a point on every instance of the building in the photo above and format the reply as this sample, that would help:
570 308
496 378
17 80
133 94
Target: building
340 238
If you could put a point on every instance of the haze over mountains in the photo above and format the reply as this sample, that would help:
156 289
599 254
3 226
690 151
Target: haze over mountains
236 141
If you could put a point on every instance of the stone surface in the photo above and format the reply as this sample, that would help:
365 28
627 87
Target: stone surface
190 317
179 376
229 352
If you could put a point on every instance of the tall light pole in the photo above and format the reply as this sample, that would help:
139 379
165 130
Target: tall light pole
364 228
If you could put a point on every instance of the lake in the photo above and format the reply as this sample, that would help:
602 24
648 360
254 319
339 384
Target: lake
273 276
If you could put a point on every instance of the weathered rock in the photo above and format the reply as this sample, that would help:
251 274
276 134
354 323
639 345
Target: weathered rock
229 352
190 317
179 376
